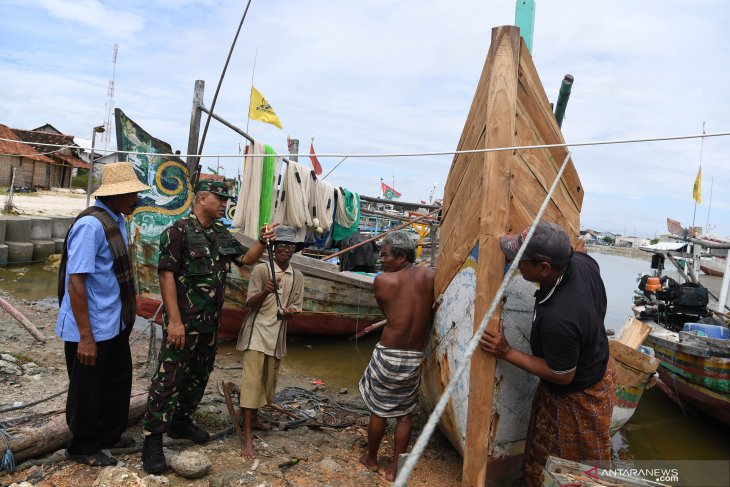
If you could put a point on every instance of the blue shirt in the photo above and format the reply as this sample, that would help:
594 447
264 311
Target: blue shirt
89 253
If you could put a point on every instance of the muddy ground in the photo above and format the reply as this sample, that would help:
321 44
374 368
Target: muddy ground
326 456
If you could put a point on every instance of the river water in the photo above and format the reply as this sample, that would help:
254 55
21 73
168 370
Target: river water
659 430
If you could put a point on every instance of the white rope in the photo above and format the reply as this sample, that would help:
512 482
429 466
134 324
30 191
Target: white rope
322 203
248 205
433 419
412 154
341 216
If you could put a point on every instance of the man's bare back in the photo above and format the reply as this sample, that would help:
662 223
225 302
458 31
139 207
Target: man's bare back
406 298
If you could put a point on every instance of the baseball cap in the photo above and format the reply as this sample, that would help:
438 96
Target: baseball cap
216 187
549 243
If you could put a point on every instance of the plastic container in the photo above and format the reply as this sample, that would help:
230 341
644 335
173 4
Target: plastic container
712 331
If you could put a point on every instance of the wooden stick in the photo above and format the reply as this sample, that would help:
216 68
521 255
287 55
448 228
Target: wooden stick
369 329
371 239
283 411
12 311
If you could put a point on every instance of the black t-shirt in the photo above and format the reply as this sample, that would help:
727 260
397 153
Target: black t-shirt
567 325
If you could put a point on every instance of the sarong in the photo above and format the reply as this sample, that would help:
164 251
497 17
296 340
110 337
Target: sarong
571 426
389 386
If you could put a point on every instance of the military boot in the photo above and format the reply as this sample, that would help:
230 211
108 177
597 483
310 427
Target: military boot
184 428
153 459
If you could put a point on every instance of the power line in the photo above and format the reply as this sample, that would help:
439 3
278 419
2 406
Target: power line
415 154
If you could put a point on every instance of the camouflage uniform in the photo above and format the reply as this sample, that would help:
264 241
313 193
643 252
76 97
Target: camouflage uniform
199 259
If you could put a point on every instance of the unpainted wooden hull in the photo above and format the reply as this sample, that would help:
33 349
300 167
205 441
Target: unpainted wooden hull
487 195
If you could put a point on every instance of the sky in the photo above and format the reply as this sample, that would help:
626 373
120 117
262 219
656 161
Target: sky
378 76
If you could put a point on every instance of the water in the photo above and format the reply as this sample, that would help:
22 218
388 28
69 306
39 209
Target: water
659 430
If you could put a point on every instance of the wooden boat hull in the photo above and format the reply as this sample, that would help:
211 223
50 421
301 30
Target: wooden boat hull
713 266
487 195
684 393
694 370
335 303
635 373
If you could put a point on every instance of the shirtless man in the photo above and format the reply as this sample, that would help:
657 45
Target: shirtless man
390 384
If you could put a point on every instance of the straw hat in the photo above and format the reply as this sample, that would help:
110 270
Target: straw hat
119 178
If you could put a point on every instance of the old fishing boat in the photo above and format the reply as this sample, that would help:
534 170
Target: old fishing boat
335 303
487 195
693 348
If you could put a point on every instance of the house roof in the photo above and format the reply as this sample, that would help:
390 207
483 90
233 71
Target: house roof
13 145
63 156
73 161
48 128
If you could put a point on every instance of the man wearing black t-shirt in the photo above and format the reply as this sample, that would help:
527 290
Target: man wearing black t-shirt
571 410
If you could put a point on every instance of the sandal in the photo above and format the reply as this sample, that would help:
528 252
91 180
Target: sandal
97 459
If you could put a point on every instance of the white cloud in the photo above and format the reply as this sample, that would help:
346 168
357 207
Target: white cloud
378 76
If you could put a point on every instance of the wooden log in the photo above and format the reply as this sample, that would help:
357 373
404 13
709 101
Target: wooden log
34 440
12 311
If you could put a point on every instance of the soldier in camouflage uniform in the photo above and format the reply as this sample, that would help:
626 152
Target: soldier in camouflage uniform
195 255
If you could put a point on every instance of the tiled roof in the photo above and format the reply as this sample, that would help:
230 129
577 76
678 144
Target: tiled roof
62 156
14 146
73 161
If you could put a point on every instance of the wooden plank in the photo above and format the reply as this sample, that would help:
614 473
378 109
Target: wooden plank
532 97
634 333
543 163
472 134
473 177
494 219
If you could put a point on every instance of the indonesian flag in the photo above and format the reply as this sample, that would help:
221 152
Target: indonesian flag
388 192
315 162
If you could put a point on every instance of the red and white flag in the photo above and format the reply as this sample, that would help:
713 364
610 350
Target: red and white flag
388 192
315 162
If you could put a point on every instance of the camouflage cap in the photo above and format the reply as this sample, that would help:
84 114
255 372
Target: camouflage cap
216 187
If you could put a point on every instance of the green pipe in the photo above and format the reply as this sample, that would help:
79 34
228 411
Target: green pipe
563 96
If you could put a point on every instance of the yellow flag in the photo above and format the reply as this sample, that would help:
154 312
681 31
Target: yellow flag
261 110
697 189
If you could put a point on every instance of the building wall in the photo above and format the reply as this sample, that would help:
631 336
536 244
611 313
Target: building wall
29 173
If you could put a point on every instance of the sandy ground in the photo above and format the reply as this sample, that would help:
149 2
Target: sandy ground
49 203
327 456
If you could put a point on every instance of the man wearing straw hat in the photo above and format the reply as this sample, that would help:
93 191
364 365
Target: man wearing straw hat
195 256
97 297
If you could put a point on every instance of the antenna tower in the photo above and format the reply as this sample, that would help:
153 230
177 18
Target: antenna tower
109 105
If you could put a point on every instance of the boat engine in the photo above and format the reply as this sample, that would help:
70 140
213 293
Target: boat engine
671 304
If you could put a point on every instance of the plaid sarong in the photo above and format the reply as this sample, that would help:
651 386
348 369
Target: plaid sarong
389 386
570 426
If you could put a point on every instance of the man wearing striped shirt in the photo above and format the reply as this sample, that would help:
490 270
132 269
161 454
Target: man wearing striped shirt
390 384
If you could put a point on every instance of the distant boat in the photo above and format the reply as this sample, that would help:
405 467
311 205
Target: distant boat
713 266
